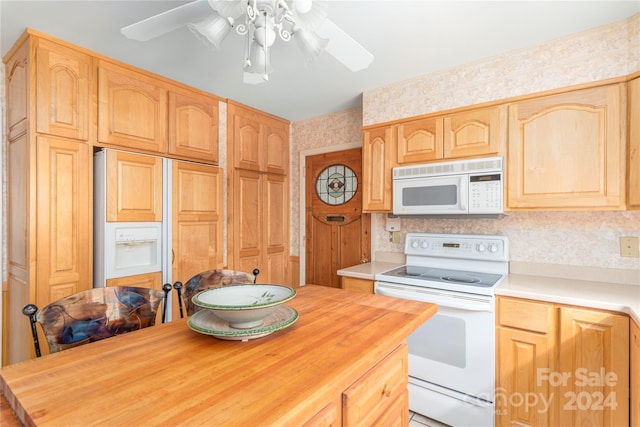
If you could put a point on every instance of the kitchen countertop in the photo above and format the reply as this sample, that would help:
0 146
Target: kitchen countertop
169 374
623 298
368 270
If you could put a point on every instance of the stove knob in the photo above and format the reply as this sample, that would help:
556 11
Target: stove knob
493 248
481 247
425 245
414 244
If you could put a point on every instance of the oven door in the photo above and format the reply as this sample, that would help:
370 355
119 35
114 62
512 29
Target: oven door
431 195
454 349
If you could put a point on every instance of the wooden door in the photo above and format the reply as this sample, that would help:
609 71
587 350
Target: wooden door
477 132
247 221
193 125
275 199
62 78
197 219
419 141
132 109
594 357
337 231
566 151
134 187
377 161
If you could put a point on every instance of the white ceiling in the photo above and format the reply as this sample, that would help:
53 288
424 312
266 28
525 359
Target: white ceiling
407 38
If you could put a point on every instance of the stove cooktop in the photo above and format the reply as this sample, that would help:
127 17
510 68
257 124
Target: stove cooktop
441 275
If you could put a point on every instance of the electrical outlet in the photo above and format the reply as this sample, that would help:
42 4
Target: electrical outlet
629 247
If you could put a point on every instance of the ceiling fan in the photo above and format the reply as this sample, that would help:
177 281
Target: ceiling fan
259 21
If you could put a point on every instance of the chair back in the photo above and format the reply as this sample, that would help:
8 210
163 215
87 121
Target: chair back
209 280
96 314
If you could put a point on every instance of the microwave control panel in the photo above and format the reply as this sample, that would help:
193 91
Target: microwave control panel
485 193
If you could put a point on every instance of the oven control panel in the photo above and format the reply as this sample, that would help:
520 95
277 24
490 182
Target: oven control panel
457 246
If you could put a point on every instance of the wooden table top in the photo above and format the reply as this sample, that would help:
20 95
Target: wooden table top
169 374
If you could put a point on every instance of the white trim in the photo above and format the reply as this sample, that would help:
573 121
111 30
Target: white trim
301 189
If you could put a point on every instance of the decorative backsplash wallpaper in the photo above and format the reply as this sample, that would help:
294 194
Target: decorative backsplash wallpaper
569 238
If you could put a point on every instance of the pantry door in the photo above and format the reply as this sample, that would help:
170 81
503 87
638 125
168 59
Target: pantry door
337 232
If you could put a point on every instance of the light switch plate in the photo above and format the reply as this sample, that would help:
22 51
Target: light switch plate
629 247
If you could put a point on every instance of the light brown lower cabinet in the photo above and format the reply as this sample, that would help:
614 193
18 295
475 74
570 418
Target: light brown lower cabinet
355 284
378 398
561 365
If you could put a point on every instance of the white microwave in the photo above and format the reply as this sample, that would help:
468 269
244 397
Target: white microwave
462 187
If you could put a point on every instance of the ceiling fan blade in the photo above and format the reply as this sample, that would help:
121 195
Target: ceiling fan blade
344 48
167 21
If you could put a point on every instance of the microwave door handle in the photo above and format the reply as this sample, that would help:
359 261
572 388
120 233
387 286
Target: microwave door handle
464 191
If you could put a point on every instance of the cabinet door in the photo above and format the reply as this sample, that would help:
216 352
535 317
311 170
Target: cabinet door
63 226
377 161
247 221
522 356
193 126
276 143
419 141
197 219
245 137
594 362
633 190
275 200
634 353
132 109
134 187
62 80
357 285
567 151
478 132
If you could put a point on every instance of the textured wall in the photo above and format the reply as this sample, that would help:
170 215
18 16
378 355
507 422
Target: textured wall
569 238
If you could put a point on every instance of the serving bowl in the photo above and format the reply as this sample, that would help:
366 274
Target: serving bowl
244 306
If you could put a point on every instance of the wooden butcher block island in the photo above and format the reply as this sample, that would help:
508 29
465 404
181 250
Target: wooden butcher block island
344 362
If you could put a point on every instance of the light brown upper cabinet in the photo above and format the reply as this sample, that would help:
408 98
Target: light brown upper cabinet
377 161
419 140
468 133
193 125
633 191
132 109
260 142
62 81
567 151
134 187
49 206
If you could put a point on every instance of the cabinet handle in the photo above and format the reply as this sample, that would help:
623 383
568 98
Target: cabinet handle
173 256
386 391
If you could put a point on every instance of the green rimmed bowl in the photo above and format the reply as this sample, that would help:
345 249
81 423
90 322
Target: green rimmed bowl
244 306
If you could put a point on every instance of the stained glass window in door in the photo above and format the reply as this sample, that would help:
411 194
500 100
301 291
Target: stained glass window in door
336 184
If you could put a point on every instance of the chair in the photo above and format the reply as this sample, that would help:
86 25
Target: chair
209 280
95 314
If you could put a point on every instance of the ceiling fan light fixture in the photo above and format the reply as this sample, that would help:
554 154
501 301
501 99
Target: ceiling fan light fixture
212 30
260 58
311 44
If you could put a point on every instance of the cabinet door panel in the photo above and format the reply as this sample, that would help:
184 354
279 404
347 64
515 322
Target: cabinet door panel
595 359
62 79
63 219
567 151
376 170
521 357
197 219
419 141
248 214
276 136
132 109
478 132
17 83
134 187
193 126
246 140
634 352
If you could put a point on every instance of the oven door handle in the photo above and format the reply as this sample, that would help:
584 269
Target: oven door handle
449 301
